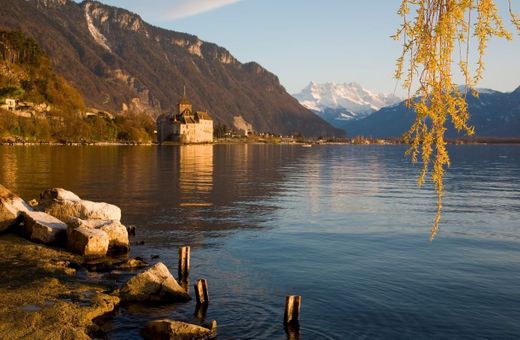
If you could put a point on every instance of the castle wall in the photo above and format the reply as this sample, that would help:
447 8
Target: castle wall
165 129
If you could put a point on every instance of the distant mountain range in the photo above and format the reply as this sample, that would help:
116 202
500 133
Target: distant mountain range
339 103
493 114
121 64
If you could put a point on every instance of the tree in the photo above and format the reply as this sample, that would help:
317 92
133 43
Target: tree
438 30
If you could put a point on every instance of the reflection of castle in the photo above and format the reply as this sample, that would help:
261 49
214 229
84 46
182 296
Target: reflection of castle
196 170
186 126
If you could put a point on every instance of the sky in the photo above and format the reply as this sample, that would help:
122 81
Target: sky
303 40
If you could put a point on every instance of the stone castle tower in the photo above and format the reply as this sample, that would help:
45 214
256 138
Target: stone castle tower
185 106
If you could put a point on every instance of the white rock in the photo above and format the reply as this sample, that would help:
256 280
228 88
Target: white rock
87 241
11 206
101 211
59 194
65 210
43 227
117 233
154 285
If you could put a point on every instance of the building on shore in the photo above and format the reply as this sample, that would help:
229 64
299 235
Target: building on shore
186 126
25 109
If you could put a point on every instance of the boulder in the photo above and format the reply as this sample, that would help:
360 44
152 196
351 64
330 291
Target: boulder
43 227
65 210
154 285
58 194
87 241
117 233
11 206
169 329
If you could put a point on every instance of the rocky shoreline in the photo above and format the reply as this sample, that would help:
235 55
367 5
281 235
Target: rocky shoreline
41 297
44 248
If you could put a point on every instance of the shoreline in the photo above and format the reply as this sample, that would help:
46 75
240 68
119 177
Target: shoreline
313 143
53 286
41 295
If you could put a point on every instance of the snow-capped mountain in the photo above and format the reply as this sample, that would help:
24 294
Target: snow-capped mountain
492 113
345 101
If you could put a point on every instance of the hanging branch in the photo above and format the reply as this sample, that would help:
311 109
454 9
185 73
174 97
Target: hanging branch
426 63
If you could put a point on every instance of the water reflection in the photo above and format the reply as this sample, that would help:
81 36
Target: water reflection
293 331
277 214
195 173
167 188
200 311
9 170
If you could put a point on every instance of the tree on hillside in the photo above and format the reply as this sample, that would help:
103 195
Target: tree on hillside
433 33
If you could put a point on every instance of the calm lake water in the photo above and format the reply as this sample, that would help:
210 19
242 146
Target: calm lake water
343 226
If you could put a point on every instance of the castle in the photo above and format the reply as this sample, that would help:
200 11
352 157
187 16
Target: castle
186 126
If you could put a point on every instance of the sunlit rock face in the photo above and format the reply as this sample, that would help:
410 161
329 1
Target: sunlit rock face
154 285
44 228
93 228
87 241
67 206
11 208
51 3
117 232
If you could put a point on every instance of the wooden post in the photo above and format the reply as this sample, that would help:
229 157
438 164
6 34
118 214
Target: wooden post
185 284
201 291
292 309
213 328
184 263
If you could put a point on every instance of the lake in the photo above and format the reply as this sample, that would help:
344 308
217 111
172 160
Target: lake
344 226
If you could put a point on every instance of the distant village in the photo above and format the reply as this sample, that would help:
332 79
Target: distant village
25 109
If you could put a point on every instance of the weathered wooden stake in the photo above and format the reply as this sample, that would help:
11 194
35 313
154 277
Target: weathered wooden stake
292 309
185 284
213 328
184 263
201 291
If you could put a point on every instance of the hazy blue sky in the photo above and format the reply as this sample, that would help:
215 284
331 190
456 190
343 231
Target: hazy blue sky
304 40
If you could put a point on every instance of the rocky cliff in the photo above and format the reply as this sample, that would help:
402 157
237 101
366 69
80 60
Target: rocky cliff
122 64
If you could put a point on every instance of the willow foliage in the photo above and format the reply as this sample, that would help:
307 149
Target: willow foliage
435 42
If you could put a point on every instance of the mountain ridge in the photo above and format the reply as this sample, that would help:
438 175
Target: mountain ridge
492 113
122 64
337 103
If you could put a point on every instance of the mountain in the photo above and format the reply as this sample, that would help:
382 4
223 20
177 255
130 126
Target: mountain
26 74
338 103
492 113
121 64
37 105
